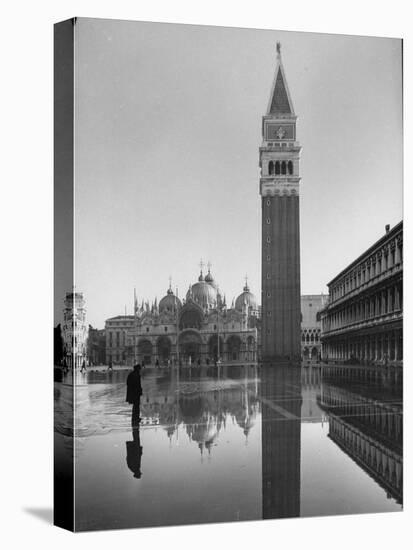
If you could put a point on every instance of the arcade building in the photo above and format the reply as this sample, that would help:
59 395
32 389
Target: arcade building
200 329
363 319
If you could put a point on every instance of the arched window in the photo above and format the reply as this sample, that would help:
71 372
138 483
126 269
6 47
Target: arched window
277 168
283 168
290 167
271 167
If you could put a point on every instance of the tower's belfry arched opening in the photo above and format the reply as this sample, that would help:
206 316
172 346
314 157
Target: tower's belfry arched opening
279 189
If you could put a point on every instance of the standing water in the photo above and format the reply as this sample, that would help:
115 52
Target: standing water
232 443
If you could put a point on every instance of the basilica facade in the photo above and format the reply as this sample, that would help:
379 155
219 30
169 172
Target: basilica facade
200 329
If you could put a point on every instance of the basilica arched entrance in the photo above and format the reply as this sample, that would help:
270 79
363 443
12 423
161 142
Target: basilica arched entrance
190 346
163 346
145 351
234 348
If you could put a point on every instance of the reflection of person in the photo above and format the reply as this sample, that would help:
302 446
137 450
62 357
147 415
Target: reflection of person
134 392
134 451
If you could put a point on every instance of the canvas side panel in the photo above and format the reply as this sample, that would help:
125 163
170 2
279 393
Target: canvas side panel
63 269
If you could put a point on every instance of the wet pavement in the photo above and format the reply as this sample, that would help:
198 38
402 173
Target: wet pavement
232 443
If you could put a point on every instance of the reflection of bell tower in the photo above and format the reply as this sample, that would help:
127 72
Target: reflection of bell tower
279 189
281 441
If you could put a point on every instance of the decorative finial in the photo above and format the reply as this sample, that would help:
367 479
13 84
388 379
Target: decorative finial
170 282
209 265
278 48
246 288
201 275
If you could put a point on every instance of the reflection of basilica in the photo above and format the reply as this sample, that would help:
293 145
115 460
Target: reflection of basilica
368 428
199 329
200 403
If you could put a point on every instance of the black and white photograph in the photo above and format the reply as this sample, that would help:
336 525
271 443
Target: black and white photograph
228 335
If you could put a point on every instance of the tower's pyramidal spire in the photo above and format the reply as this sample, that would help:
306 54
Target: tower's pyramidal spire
280 100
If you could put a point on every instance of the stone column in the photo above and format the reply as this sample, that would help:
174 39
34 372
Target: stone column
388 344
389 257
396 345
396 297
397 253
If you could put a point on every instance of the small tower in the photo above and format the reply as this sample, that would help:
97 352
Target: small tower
279 189
74 329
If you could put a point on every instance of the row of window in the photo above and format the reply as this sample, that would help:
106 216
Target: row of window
280 167
381 303
378 265
307 338
281 144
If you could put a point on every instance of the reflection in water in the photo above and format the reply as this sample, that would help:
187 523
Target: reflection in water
201 401
63 454
230 443
134 448
281 441
367 429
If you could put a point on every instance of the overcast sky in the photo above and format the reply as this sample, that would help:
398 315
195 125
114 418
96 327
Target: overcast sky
168 126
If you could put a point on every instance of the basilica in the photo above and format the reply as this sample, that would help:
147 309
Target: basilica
200 329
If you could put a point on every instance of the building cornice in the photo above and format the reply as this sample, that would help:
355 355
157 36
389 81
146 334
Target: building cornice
373 248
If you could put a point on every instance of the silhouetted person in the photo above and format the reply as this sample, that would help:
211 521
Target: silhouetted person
134 451
134 392
110 366
83 369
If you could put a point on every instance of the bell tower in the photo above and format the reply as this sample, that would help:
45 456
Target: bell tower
279 189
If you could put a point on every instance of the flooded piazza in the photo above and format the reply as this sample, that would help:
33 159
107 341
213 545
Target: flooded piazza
232 443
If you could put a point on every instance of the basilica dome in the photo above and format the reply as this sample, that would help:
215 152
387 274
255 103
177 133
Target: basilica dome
210 280
203 293
169 302
246 298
